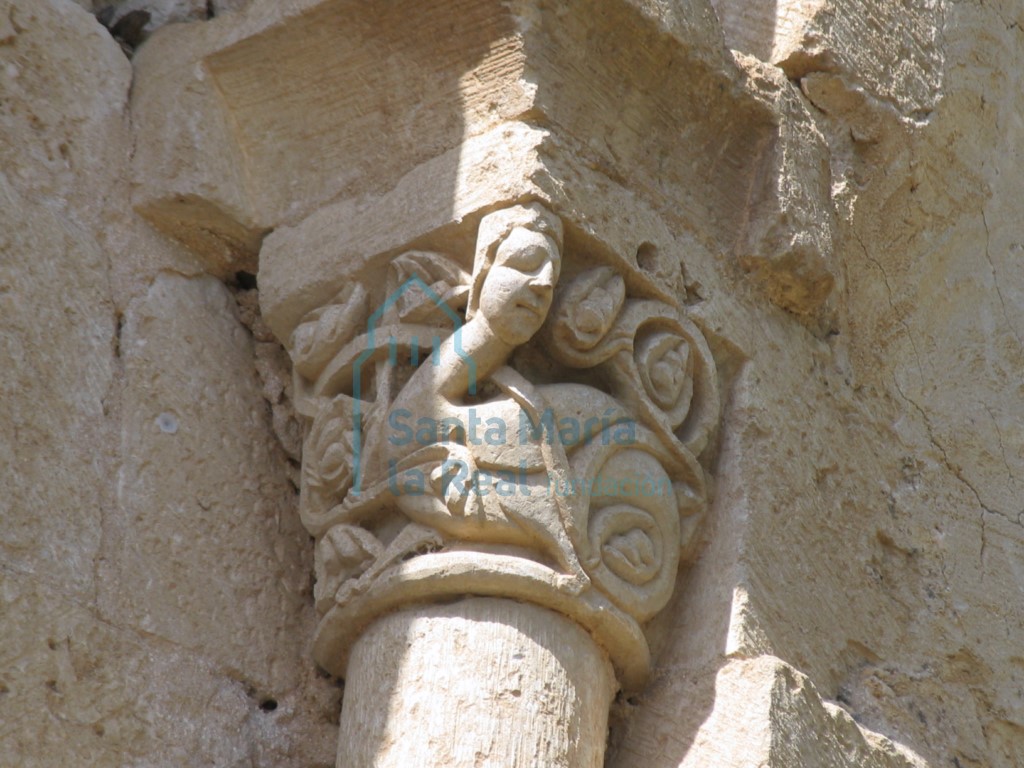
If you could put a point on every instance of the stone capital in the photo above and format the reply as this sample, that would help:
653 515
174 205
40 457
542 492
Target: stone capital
475 224
517 415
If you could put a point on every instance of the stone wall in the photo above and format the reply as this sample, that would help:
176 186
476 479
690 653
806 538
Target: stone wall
156 586
859 599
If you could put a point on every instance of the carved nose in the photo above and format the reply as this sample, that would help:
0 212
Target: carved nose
540 288
545 281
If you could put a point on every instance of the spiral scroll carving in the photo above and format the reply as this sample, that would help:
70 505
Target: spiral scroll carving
631 528
479 408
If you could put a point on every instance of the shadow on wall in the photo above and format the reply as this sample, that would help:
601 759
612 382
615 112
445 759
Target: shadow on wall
659 726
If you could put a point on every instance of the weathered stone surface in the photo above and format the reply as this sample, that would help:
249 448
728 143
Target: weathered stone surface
504 663
904 504
892 49
866 522
76 688
57 320
787 236
78 683
704 146
941 333
756 712
64 85
509 163
56 371
200 480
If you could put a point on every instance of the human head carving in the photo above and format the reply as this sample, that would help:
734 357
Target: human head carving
509 235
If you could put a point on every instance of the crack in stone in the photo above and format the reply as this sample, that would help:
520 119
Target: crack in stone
899 318
995 279
1002 447
954 469
1009 25
957 470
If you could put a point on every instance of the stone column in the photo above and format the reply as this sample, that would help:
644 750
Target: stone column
500 470
477 260
478 682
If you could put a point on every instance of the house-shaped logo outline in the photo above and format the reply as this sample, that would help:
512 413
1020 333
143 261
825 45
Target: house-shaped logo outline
372 325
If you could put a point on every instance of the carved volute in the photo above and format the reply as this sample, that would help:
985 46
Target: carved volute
522 420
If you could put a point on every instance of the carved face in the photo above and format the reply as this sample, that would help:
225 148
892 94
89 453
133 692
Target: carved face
517 290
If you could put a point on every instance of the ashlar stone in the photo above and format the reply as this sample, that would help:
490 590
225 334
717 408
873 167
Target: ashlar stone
204 550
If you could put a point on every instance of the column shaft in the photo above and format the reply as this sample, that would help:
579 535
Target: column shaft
479 683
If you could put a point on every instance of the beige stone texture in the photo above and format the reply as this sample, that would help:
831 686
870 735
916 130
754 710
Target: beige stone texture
57 373
207 529
240 164
756 712
79 689
518 685
106 657
893 49
940 336
888 505
841 182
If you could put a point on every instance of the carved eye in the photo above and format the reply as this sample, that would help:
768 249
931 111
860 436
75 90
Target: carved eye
525 259
525 250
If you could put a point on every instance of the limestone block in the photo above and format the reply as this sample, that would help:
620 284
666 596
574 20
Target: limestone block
937 327
692 144
963 307
748 27
754 712
786 242
225 76
224 231
891 49
64 86
302 267
56 371
204 549
74 687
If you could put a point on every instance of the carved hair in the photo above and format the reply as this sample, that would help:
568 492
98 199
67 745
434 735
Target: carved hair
495 227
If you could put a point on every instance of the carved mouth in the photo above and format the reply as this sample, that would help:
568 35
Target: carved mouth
538 304
537 309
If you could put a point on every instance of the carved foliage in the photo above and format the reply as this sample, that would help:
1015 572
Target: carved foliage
597 481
